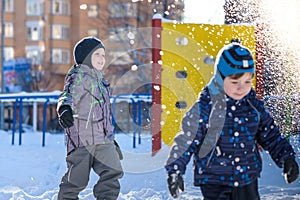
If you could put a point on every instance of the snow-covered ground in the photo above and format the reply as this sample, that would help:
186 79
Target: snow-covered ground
30 171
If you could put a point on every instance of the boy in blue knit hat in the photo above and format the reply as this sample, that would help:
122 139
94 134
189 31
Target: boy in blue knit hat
223 130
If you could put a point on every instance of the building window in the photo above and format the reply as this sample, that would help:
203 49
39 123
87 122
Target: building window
34 30
9 6
93 10
8 30
61 7
93 32
119 34
34 7
35 53
60 56
121 9
60 32
9 53
120 58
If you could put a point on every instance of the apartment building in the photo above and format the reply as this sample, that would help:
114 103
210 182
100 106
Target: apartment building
45 31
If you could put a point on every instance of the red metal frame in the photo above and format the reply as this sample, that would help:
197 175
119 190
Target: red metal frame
156 85
259 61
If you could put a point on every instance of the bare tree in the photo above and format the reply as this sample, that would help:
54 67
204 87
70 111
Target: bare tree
128 41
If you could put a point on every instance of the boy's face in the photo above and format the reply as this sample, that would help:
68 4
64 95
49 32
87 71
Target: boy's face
238 88
98 59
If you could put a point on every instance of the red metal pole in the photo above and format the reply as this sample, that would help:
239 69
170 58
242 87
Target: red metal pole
259 61
156 84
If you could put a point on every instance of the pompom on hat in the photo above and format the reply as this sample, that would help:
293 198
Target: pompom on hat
84 49
234 58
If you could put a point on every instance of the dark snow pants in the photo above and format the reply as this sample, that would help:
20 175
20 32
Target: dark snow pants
104 160
221 192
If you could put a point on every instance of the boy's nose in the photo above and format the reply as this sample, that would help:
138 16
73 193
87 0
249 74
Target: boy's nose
240 86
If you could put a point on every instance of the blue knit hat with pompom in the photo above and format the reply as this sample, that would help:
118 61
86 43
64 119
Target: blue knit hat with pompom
234 58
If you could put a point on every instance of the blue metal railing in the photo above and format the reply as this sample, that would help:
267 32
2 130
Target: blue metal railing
19 98
136 100
46 97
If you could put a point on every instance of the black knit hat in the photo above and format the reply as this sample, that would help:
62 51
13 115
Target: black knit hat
84 49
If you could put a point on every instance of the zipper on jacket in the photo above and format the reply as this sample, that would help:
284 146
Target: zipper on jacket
216 147
89 116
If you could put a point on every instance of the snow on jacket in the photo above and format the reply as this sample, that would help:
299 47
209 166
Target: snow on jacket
88 95
235 160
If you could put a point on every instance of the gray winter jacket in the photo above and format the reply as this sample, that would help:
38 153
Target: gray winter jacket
88 94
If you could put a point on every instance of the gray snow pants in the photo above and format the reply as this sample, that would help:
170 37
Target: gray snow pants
104 160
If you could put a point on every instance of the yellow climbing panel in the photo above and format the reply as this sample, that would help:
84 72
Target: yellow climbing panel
188 52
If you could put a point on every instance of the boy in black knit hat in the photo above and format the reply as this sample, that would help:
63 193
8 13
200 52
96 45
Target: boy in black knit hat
85 114
223 129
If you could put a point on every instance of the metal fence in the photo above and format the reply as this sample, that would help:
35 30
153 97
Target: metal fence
134 106
131 113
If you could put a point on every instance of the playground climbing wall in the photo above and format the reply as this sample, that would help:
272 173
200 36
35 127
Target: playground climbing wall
184 65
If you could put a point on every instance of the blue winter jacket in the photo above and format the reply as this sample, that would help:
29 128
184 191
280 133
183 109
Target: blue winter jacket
235 159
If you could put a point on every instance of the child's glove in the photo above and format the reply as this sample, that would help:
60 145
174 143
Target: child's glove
175 182
290 169
65 116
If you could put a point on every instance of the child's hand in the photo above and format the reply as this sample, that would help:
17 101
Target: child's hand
65 116
175 182
290 170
